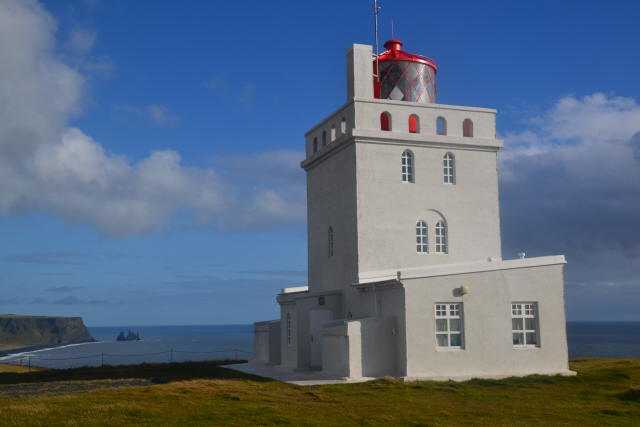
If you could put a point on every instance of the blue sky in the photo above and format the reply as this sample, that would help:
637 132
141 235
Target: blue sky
149 151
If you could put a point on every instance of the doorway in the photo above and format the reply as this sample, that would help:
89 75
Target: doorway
317 319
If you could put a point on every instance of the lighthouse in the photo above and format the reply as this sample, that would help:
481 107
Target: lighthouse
406 276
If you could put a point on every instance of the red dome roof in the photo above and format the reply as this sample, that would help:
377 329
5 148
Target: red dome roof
394 53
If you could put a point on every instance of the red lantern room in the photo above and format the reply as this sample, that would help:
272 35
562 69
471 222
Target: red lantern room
404 76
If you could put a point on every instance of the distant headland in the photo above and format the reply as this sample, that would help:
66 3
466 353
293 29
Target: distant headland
19 332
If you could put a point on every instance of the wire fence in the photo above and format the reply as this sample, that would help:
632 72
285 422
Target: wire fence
102 359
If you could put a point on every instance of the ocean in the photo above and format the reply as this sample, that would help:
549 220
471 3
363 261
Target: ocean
181 343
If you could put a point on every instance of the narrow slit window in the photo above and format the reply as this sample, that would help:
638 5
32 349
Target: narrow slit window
422 242
343 126
324 138
414 124
441 238
467 128
333 133
288 328
385 121
441 126
330 241
449 168
407 166
315 144
449 326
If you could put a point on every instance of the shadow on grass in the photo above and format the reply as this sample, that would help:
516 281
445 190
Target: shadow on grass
158 373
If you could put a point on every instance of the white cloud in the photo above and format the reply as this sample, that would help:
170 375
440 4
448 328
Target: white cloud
571 185
82 40
160 114
47 166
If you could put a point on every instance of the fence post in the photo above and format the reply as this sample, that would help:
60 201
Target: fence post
171 356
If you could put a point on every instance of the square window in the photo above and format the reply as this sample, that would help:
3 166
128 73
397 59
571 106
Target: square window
454 325
456 340
531 338
518 338
516 324
443 340
529 323
441 325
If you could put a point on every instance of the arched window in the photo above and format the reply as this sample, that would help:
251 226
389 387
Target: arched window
449 166
333 133
422 242
324 138
385 121
441 238
467 128
343 126
414 124
441 126
315 144
289 329
330 242
407 166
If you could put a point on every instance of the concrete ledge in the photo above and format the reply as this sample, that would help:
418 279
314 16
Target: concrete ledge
303 378
457 268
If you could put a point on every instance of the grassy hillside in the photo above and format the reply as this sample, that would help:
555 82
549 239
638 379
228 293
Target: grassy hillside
606 392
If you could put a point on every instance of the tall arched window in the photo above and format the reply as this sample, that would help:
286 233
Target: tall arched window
333 133
414 124
343 126
330 242
422 242
407 166
289 329
449 166
324 138
467 128
441 126
315 144
441 238
385 121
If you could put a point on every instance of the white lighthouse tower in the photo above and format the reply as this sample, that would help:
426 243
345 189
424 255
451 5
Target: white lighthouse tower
406 276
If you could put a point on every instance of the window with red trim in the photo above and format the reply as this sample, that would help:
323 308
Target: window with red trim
385 121
414 124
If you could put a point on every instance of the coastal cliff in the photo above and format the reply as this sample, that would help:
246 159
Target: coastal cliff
35 331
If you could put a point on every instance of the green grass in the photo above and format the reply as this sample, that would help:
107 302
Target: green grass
605 392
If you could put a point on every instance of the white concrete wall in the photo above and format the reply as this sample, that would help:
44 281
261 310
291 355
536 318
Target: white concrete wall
297 355
260 342
360 348
389 208
331 202
488 349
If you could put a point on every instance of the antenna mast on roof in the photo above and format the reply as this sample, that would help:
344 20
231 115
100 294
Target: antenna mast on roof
376 10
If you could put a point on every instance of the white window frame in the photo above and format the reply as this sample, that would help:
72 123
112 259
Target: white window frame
449 168
407 166
449 313
523 312
442 240
422 237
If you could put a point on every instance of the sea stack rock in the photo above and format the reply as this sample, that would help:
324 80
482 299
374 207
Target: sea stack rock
40 331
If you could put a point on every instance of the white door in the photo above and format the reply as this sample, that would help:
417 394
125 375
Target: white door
317 319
